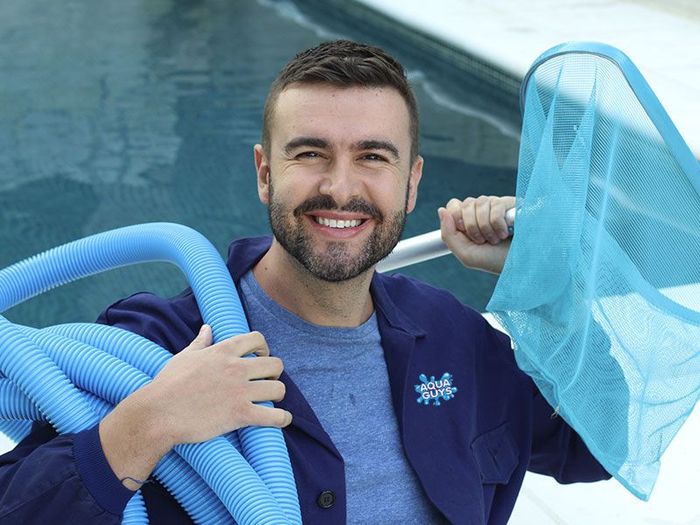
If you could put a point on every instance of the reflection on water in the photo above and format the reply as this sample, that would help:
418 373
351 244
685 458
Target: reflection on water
115 113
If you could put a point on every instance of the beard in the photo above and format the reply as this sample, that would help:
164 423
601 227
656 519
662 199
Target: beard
337 262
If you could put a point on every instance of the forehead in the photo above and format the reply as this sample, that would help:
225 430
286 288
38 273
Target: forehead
341 114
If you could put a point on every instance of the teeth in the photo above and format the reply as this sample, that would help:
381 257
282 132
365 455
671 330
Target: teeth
333 223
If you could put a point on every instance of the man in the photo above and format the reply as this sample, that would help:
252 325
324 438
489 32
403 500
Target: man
339 170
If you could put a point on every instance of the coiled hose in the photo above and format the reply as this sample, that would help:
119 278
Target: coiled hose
72 375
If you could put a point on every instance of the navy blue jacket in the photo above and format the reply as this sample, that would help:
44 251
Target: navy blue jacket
470 453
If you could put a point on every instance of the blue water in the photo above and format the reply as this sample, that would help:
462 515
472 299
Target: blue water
115 113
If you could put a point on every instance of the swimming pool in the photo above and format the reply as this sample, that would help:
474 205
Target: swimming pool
115 113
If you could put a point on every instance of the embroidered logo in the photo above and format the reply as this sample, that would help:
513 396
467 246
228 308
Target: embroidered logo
430 389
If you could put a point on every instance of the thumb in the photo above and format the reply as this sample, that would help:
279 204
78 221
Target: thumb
455 240
202 340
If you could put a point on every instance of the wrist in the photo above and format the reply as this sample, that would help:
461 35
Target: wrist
131 439
150 416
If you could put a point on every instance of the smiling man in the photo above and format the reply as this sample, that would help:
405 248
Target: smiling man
398 403
340 176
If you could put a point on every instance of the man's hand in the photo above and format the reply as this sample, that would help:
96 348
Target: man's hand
207 390
204 391
476 232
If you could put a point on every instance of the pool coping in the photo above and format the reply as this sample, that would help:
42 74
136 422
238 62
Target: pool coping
499 42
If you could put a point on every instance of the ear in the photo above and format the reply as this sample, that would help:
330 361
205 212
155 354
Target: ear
262 169
414 180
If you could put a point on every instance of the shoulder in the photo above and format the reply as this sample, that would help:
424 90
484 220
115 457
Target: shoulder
423 303
173 322
446 321
170 322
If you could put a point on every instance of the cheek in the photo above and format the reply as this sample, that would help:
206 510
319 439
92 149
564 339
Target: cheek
391 196
286 197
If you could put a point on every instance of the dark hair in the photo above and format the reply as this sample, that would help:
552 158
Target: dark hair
343 63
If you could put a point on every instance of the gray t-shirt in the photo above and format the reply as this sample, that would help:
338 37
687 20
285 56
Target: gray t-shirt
343 375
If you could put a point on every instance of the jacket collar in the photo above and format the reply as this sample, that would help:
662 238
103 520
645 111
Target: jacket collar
398 335
243 254
394 316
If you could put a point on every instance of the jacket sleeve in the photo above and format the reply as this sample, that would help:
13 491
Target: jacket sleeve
60 479
556 449
66 479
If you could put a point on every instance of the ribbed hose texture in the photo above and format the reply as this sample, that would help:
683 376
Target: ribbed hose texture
72 375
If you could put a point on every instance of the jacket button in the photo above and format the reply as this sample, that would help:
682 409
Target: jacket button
326 499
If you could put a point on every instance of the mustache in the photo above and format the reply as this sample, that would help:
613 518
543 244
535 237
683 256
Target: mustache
326 202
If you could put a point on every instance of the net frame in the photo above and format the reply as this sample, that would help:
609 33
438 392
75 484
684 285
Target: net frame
637 440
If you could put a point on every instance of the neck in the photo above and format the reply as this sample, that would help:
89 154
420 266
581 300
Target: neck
345 303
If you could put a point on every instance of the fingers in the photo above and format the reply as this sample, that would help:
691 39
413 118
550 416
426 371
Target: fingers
497 219
269 417
263 368
244 344
454 208
482 219
202 340
492 220
266 390
451 235
252 343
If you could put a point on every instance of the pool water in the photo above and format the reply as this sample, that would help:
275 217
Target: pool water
116 113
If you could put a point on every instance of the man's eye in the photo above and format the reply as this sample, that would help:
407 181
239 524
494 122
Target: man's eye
308 155
374 157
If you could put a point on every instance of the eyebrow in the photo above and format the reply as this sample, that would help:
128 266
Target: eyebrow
379 144
315 142
299 142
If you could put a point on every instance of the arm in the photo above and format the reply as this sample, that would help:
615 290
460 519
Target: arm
77 478
557 450
476 232
552 447
151 421
44 480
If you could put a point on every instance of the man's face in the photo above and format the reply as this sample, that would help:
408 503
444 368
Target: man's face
338 179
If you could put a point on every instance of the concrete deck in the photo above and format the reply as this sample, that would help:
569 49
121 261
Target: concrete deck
662 39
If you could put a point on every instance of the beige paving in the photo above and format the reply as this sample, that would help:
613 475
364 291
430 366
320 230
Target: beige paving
661 38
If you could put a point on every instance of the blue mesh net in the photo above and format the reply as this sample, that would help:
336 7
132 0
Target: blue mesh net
600 289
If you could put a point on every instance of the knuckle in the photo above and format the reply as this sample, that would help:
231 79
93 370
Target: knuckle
276 365
238 393
497 211
453 204
257 338
232 343
482 213
484 220
473 231
259 343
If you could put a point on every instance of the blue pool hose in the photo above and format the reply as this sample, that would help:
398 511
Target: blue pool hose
72 375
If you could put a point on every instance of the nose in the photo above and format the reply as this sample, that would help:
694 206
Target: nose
341 181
